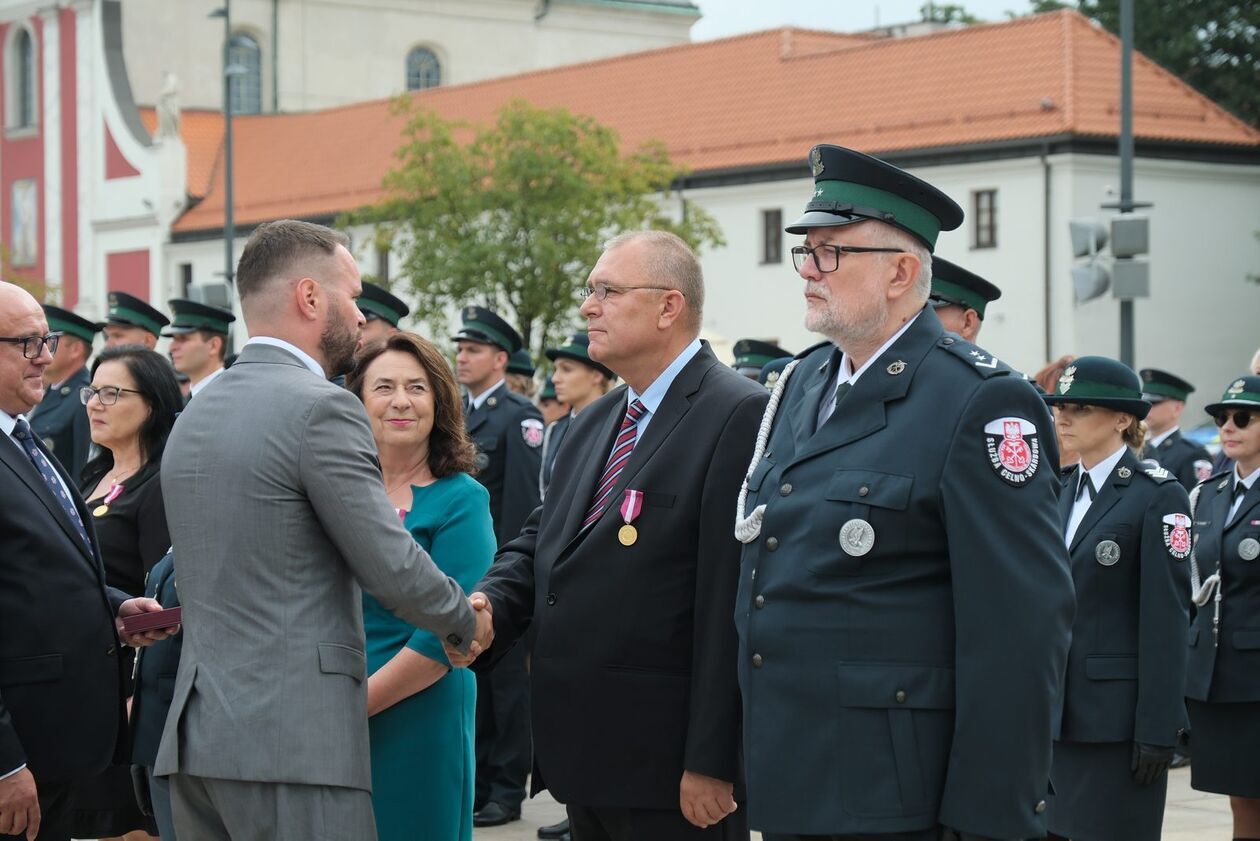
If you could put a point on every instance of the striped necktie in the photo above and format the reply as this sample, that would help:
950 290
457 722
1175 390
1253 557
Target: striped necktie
22 432
617 459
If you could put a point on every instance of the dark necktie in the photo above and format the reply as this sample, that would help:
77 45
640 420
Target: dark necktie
617 459
1086 485
841 390
22 432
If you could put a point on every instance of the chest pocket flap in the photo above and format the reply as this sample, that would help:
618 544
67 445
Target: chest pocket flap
759 473
867 487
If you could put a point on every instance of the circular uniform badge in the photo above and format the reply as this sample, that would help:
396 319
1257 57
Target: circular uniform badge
857 537
1107 552
482 461
1249 549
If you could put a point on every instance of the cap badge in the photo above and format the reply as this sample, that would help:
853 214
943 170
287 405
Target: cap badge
815 161
1236 388
1065 381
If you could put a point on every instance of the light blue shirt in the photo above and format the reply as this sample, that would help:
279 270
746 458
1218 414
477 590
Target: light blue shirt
655 393
303 357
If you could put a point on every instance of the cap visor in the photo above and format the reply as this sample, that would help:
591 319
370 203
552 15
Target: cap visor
821 219
175 330
1137 408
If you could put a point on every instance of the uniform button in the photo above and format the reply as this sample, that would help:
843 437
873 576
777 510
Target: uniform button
551 598
772 543
760 602
947 341
786 489
756 661
1040 807
900 696
109 652
864 490
753 575
455 640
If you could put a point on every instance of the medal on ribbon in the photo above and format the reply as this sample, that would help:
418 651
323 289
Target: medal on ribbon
114 492
631 507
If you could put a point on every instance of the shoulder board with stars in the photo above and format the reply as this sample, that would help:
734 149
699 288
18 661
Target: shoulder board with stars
976 358
1159 474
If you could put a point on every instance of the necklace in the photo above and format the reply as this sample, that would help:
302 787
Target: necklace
422 467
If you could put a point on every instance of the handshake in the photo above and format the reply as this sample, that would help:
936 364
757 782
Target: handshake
484 633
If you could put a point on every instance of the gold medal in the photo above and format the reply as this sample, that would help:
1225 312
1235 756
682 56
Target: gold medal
627 534
100 511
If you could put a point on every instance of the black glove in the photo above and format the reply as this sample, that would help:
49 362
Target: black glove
1149 762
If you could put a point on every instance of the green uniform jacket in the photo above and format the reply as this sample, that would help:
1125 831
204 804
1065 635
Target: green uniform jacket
61 420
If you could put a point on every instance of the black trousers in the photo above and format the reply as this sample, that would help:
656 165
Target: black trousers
921 835
55 810
610 824
504 748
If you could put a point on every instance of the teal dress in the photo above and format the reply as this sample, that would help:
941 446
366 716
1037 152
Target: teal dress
422 747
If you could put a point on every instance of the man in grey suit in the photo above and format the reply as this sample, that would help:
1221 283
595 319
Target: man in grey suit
277 514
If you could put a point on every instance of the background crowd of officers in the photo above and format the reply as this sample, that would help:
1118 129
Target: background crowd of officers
910 607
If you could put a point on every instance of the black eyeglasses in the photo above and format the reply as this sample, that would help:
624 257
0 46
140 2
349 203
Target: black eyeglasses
1242 417
827 257
33 346
107 394
601 291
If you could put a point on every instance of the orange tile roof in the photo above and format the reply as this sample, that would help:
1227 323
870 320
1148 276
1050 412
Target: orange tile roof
751 100
202 133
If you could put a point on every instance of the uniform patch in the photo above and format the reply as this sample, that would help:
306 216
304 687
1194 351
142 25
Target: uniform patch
1202 470
1013 448
1177 535
532 432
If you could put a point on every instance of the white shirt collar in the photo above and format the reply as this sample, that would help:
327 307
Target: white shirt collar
480 399
205 381
8 422
303 357
653 395
847 374
1100 472
1249 480
1156 440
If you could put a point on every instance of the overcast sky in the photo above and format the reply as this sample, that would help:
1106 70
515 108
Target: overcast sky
731 17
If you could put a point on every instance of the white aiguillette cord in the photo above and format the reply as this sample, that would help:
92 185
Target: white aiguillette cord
1201 592
748 528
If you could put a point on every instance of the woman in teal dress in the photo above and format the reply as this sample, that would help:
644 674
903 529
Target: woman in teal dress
421 710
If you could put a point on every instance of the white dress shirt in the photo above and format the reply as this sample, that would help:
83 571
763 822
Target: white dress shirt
1248 482
1098 474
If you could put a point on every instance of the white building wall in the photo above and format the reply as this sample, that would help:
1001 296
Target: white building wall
333 52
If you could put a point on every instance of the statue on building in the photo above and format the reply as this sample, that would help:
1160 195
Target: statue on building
168 107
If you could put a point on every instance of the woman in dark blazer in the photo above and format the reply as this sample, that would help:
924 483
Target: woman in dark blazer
131 407
1223 673
1127 528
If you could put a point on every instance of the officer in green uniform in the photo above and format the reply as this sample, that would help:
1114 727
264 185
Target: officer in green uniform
1167 394
60 418
199 341
382 310
131 321
508 432
751 355
905 600
959 298
582 382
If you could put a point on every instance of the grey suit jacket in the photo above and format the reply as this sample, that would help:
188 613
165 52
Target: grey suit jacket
276 509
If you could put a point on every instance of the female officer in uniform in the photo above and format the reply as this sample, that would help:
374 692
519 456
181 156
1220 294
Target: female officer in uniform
1127 529
1223 674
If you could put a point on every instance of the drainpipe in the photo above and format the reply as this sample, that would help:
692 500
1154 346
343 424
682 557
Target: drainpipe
1048 300
275 56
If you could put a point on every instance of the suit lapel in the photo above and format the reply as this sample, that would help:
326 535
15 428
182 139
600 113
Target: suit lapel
479 415
1067 498
1108 495
17 461
863 411
804 414
593 467
1250 499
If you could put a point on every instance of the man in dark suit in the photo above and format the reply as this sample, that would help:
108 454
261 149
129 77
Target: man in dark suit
60 419
61 705
624 579
905 600
508 432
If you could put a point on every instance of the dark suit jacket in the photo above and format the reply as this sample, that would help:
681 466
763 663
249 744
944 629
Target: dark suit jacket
507 430
61 706
552 440
1126 676
61 420
1184 459
1229 670
633 646
156 669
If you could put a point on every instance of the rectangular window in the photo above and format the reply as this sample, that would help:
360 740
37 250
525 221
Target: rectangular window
382 265
771 236
984 219
185 279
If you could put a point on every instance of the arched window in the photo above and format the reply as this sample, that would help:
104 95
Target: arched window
23 88
423 69
245 66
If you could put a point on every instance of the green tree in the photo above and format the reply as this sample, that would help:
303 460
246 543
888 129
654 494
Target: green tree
1213 45
946 13
514 217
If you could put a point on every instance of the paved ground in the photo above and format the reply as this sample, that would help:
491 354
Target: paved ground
1190 816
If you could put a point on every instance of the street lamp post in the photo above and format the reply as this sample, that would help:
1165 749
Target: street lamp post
229 70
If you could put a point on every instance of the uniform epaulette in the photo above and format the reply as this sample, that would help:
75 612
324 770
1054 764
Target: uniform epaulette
1159 474
976 358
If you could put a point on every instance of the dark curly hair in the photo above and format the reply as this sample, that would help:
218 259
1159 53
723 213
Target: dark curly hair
450 449
155 380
